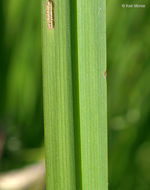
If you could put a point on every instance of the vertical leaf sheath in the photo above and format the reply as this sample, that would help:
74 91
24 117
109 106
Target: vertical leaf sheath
58 103
91 29
74 62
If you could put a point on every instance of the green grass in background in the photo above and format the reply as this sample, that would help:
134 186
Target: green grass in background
20 85
128 96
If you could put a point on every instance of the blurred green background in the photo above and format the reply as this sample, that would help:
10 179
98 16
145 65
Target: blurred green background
21 115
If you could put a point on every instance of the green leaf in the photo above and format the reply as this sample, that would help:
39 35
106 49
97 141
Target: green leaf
74 86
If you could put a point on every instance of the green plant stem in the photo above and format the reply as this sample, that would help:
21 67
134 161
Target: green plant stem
74 86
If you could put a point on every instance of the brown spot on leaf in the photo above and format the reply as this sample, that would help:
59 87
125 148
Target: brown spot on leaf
105 74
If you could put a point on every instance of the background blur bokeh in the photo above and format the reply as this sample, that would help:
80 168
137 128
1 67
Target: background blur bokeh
21 116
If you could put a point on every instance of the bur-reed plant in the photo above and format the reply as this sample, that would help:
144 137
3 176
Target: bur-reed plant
74 86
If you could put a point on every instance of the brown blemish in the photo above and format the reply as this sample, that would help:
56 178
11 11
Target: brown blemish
105 74
50 14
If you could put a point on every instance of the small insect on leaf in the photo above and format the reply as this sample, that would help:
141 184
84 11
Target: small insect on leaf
50 14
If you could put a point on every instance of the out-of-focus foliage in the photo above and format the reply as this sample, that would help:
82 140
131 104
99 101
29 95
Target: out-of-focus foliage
128 44
21 121
21 118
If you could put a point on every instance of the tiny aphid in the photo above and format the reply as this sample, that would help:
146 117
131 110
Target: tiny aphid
50 14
